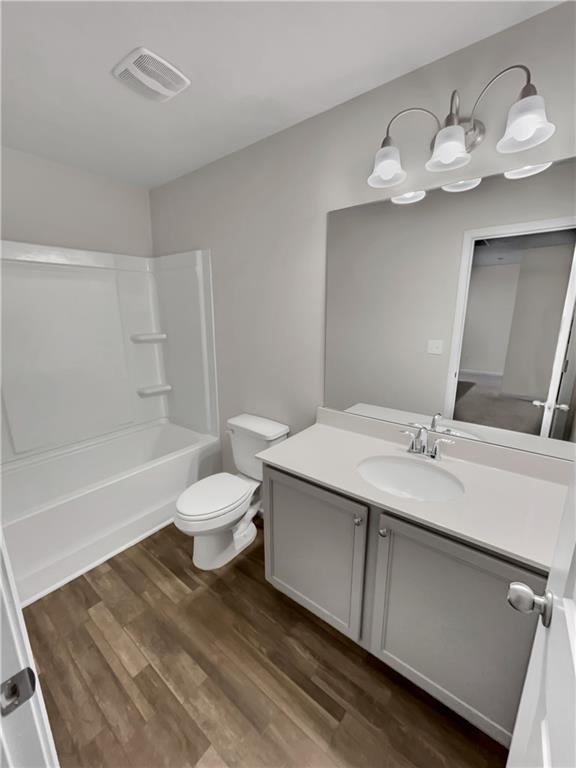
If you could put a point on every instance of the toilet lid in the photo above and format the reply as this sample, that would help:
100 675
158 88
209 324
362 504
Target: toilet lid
213 496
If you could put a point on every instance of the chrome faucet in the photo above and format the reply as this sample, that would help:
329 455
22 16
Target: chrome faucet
434 423
419 439
419 442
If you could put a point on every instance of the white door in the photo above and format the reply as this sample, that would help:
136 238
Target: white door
545 730
25 736
561 358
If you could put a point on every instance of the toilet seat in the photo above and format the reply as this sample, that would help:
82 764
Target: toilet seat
215 496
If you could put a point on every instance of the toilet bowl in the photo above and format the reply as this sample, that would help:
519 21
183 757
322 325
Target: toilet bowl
218 511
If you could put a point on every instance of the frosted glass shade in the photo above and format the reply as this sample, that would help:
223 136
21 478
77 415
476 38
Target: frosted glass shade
527 126
462 186
388 169
409 197
449 150
527 170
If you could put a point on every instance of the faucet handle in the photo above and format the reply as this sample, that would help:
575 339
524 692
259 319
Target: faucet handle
413 437
435 452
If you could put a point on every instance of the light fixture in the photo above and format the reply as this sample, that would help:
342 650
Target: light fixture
526 170
450 147
462 186
409 197
449 150
527 126
388 171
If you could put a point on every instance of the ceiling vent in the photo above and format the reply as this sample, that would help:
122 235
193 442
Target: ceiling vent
149 75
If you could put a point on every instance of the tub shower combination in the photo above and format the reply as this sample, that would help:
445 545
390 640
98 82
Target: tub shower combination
109 403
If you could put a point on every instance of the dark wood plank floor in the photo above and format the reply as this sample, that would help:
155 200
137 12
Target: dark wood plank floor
146 662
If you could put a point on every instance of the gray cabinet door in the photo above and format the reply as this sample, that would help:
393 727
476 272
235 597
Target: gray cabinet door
315 549
441 619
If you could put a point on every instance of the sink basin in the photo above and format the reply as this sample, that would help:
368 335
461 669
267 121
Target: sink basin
410 477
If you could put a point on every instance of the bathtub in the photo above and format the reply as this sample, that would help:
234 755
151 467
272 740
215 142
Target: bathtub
67 511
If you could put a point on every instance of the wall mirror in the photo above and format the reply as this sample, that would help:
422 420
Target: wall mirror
460 305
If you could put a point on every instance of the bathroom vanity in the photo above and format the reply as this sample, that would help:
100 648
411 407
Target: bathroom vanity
419 582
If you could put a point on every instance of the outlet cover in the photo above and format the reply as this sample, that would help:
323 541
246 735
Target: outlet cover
435 346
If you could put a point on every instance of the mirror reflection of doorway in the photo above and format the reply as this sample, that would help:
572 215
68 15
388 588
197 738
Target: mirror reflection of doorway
517 365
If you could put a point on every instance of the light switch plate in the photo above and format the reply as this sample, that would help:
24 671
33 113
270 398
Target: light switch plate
435 346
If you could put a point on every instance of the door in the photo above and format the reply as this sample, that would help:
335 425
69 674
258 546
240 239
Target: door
544 733
560 394
25 738
315 549
565 401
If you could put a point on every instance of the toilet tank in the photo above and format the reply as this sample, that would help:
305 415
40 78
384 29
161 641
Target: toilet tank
249 435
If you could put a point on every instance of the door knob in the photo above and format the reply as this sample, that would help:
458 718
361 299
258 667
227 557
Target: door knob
562 407
358 520
539 404
522 598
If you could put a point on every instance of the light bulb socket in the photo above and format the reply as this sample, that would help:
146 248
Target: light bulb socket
528 90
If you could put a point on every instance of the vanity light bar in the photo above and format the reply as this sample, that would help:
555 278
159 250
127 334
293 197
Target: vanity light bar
527 126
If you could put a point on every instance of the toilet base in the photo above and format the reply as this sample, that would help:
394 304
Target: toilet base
215 550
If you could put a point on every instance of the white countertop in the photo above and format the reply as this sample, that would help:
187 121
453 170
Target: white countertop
505 512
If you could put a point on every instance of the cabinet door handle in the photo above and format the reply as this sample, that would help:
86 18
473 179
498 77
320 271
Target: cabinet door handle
383 532
358 520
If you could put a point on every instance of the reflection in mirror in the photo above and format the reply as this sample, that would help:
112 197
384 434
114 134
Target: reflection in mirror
517 291
460 305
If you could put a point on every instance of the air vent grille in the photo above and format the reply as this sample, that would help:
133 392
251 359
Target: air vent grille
149 75
166 76
132 81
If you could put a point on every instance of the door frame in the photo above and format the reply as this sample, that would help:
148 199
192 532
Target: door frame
469 240
18 631
561 348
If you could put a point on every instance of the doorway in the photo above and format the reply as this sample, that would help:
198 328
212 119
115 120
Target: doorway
516 341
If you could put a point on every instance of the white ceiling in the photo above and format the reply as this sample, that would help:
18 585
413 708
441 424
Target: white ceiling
256 68
509 250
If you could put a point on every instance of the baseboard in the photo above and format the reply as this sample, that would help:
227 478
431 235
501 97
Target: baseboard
70 565
486 374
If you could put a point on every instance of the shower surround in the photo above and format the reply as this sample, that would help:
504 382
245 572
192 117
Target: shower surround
109 402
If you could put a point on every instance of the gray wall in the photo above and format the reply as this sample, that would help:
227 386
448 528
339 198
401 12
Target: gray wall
262 211
491 298
540 295
393 278
52 204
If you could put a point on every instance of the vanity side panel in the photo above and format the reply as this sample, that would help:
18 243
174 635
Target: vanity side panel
315 543
441 618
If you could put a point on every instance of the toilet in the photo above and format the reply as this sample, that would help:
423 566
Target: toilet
218 510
